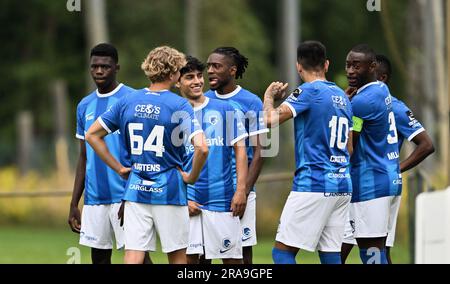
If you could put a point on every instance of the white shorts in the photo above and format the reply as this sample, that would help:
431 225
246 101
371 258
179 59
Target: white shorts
374 218
313 220
100 226
248 222
215 234
143 221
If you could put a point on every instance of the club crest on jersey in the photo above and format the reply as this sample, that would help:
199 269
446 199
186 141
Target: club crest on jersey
213 119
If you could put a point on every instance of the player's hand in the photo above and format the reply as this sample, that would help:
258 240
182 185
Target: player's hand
186 177
121 212
276 90
124 172
351 92
74 219
194 208
238 203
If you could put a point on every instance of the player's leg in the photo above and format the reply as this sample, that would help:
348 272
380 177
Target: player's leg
248 225
222 238
301 224
172 225
139 232
346 249
96 232
147 259
371 220
349 240
101 256
196 245
203 260
395 207
333 232
118 230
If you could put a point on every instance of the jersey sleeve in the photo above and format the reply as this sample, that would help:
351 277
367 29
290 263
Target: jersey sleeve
362 110
80 122
255 118
234 126
189 123
407 125
110 120
299 101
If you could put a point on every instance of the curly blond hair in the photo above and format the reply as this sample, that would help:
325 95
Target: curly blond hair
161 62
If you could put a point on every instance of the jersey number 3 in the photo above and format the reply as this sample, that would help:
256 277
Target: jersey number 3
392 139
154 142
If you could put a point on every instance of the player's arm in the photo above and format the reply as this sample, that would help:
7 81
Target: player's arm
350 143
424 148
199 159
275 116
256 165
239 200
74 219
95 137
357 128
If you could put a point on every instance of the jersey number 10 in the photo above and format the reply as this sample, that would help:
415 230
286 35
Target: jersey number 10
337 132
137 141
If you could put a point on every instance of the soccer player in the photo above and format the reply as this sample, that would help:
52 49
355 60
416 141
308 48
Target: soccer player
214 206
314 215
375 168
408 127
153 121
98 225
224 66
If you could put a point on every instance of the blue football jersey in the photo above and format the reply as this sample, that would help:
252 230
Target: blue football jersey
322 122
375 166
214 189
102 184
250 107
407 125
155 126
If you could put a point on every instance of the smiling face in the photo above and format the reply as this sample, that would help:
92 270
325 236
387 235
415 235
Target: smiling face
360 70
191 85
103 71
221 71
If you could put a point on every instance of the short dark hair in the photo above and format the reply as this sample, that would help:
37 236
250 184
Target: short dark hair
384 64
192 64
105 49
312 55
239 60
366 50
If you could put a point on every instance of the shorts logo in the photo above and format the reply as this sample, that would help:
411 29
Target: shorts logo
247 234
352 224
226 244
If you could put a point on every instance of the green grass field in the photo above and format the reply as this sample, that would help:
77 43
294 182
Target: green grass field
24 244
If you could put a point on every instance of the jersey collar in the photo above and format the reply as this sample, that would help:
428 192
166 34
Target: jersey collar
229 95
205 103
366 85
110 93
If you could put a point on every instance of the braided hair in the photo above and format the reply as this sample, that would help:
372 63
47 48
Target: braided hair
239 60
